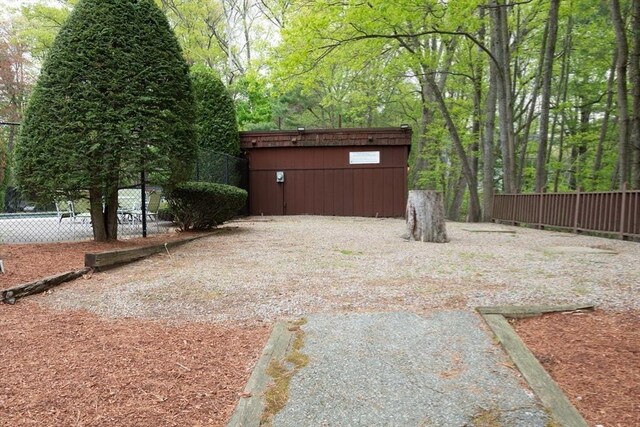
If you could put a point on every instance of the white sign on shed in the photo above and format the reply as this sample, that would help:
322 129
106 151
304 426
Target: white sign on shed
364 157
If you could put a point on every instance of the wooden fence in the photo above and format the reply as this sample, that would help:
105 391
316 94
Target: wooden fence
611 212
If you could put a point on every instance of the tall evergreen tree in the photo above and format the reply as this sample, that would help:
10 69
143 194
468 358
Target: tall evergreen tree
114 97
216 125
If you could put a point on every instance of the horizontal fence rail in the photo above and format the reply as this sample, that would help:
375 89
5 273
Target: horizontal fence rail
611 212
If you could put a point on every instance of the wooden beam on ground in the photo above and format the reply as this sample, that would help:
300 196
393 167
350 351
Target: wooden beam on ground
488 230
104 260
512 311
10 295
539 380
248 412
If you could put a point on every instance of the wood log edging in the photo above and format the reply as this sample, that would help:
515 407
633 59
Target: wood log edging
94 262
547 390
100 261
9 296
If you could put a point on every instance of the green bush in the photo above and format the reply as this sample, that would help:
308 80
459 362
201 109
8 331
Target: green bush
203 205
164 214
216 125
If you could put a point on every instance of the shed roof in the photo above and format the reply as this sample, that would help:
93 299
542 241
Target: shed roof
325 137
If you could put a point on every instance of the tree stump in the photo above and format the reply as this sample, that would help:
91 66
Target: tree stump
425 216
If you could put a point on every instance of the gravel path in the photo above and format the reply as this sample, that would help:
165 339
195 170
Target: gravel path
286 267
399 369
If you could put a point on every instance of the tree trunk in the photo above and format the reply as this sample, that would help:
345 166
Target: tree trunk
547 72
621 71
488 157
423 145
561 99
500 50
97 215
111 212
458 190
634 78
425 217
597 162
472 182
526 129
104 213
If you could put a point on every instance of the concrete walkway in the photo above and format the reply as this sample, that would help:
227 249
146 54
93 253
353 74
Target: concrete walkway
400 369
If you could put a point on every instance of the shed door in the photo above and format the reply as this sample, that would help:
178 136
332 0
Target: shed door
266 196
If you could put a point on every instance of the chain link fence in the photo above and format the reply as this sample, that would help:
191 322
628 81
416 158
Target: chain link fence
22 221
221 168
69 220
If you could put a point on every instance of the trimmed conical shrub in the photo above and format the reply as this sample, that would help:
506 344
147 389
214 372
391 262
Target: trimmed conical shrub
216 124
114 96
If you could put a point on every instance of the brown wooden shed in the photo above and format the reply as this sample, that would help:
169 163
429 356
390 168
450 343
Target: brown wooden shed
343 172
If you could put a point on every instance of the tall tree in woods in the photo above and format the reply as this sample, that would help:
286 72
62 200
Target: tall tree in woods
16 79
547 74
500 48
421 48
622 60
634 71
504 96
113 98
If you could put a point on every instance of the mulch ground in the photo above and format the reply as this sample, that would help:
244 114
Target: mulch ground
25 263
595 358
74 368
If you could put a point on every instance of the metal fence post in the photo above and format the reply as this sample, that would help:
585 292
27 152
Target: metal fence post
143 205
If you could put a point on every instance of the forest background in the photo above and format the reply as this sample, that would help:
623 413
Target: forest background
517 96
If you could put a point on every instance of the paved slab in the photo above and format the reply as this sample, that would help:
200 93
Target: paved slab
400 369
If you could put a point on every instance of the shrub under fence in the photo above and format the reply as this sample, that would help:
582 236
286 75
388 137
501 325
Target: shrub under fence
204 205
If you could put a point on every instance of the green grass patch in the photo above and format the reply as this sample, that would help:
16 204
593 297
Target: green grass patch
281 371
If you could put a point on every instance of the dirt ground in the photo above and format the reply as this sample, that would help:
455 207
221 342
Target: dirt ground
76 368
595 358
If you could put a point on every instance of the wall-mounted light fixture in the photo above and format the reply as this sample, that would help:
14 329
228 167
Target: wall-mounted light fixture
404 126
300 129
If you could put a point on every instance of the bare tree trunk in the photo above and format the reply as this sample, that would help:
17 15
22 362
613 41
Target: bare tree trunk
597 162
246 28
621 70
500 50
425 217
474 200
488 158
547 73
526 130
421 162
97 215
459 188
578 150
634 78
561 98
104 212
